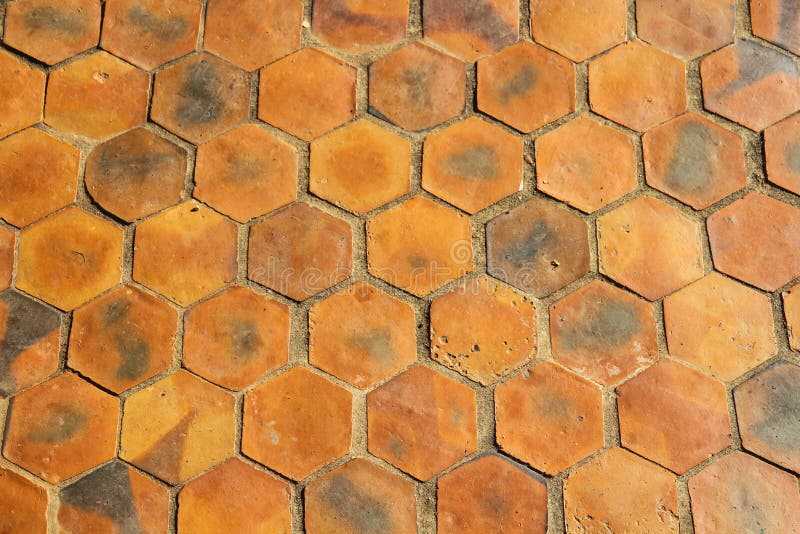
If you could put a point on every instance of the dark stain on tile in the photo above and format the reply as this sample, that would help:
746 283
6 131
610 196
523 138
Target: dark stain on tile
134 350
364 513
418 82
527 248
140 164
788 20
377 343
244 338
200 95
690 169
245 169
60 424
522 82
779 425
476 16
757 62
47 18
791 154
476 162
602 323
338 14
164 29
165 456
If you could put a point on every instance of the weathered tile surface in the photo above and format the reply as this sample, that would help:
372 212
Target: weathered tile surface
24 504
21 95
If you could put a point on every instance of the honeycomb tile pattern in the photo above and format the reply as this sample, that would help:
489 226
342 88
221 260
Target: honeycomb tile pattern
398 266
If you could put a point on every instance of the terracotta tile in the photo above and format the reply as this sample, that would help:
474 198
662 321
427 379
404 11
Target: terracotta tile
686 28
252 33
751 84
235 497
637 85
421 422
148 33
24 504
69 258
21 95
359 26
122 338
757 218
7 243
296 423
300 251
673 415
360 497
767 406
236 337
586 164
200 97
471 29
417 87
777 21
307 93
483 330
538 247
136 174
178 427
782 148
185 253
791 308
720 326
38 175
419 246
360 167
246 172
650 247
361 335
694 160
491 494
617 490
472 164
61 428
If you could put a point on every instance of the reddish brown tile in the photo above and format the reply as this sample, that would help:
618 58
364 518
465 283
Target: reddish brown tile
782 148
791 309
21 95
686 28
24 504
8 240
359 26
777 21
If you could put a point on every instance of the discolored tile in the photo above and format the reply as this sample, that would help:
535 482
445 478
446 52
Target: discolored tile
21 95
777 21
359 26
7 244
24 504
686 28
782 152
791 309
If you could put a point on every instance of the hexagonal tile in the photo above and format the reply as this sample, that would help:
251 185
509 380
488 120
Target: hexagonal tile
417 87
307 93
300 251
246 172
185 253
359 27
38 175
236 337
136 174
694 160
69 258
360 167
673 415
538 247
371 341
686 28
637 85
7 244
178 427
782 148
586 164
61 428
21 96
650 247
720 326
122 338
791 309
296 423
472 164
419 246
24 504
421 422
777 21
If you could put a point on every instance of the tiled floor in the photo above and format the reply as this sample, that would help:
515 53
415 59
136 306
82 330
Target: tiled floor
394 266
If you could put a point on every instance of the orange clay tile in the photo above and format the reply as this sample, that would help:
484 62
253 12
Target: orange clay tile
791 308
148 33
360 167
421 422
178 427
252 33
694 160
61 428
97 96
686 28
300 251
38 175
24 504
235 497
7 244
136 174
419 246
526 86
777 21
361 498
637 85
720 326
69 258
123 338
360 25
483 330
246 172
650 247
296 423
307 93
549 418
417 87
200 97
538 247
782 147
586 164
673 415
21 94
617 490
236 337
472 164
773 225
373 340
185 253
